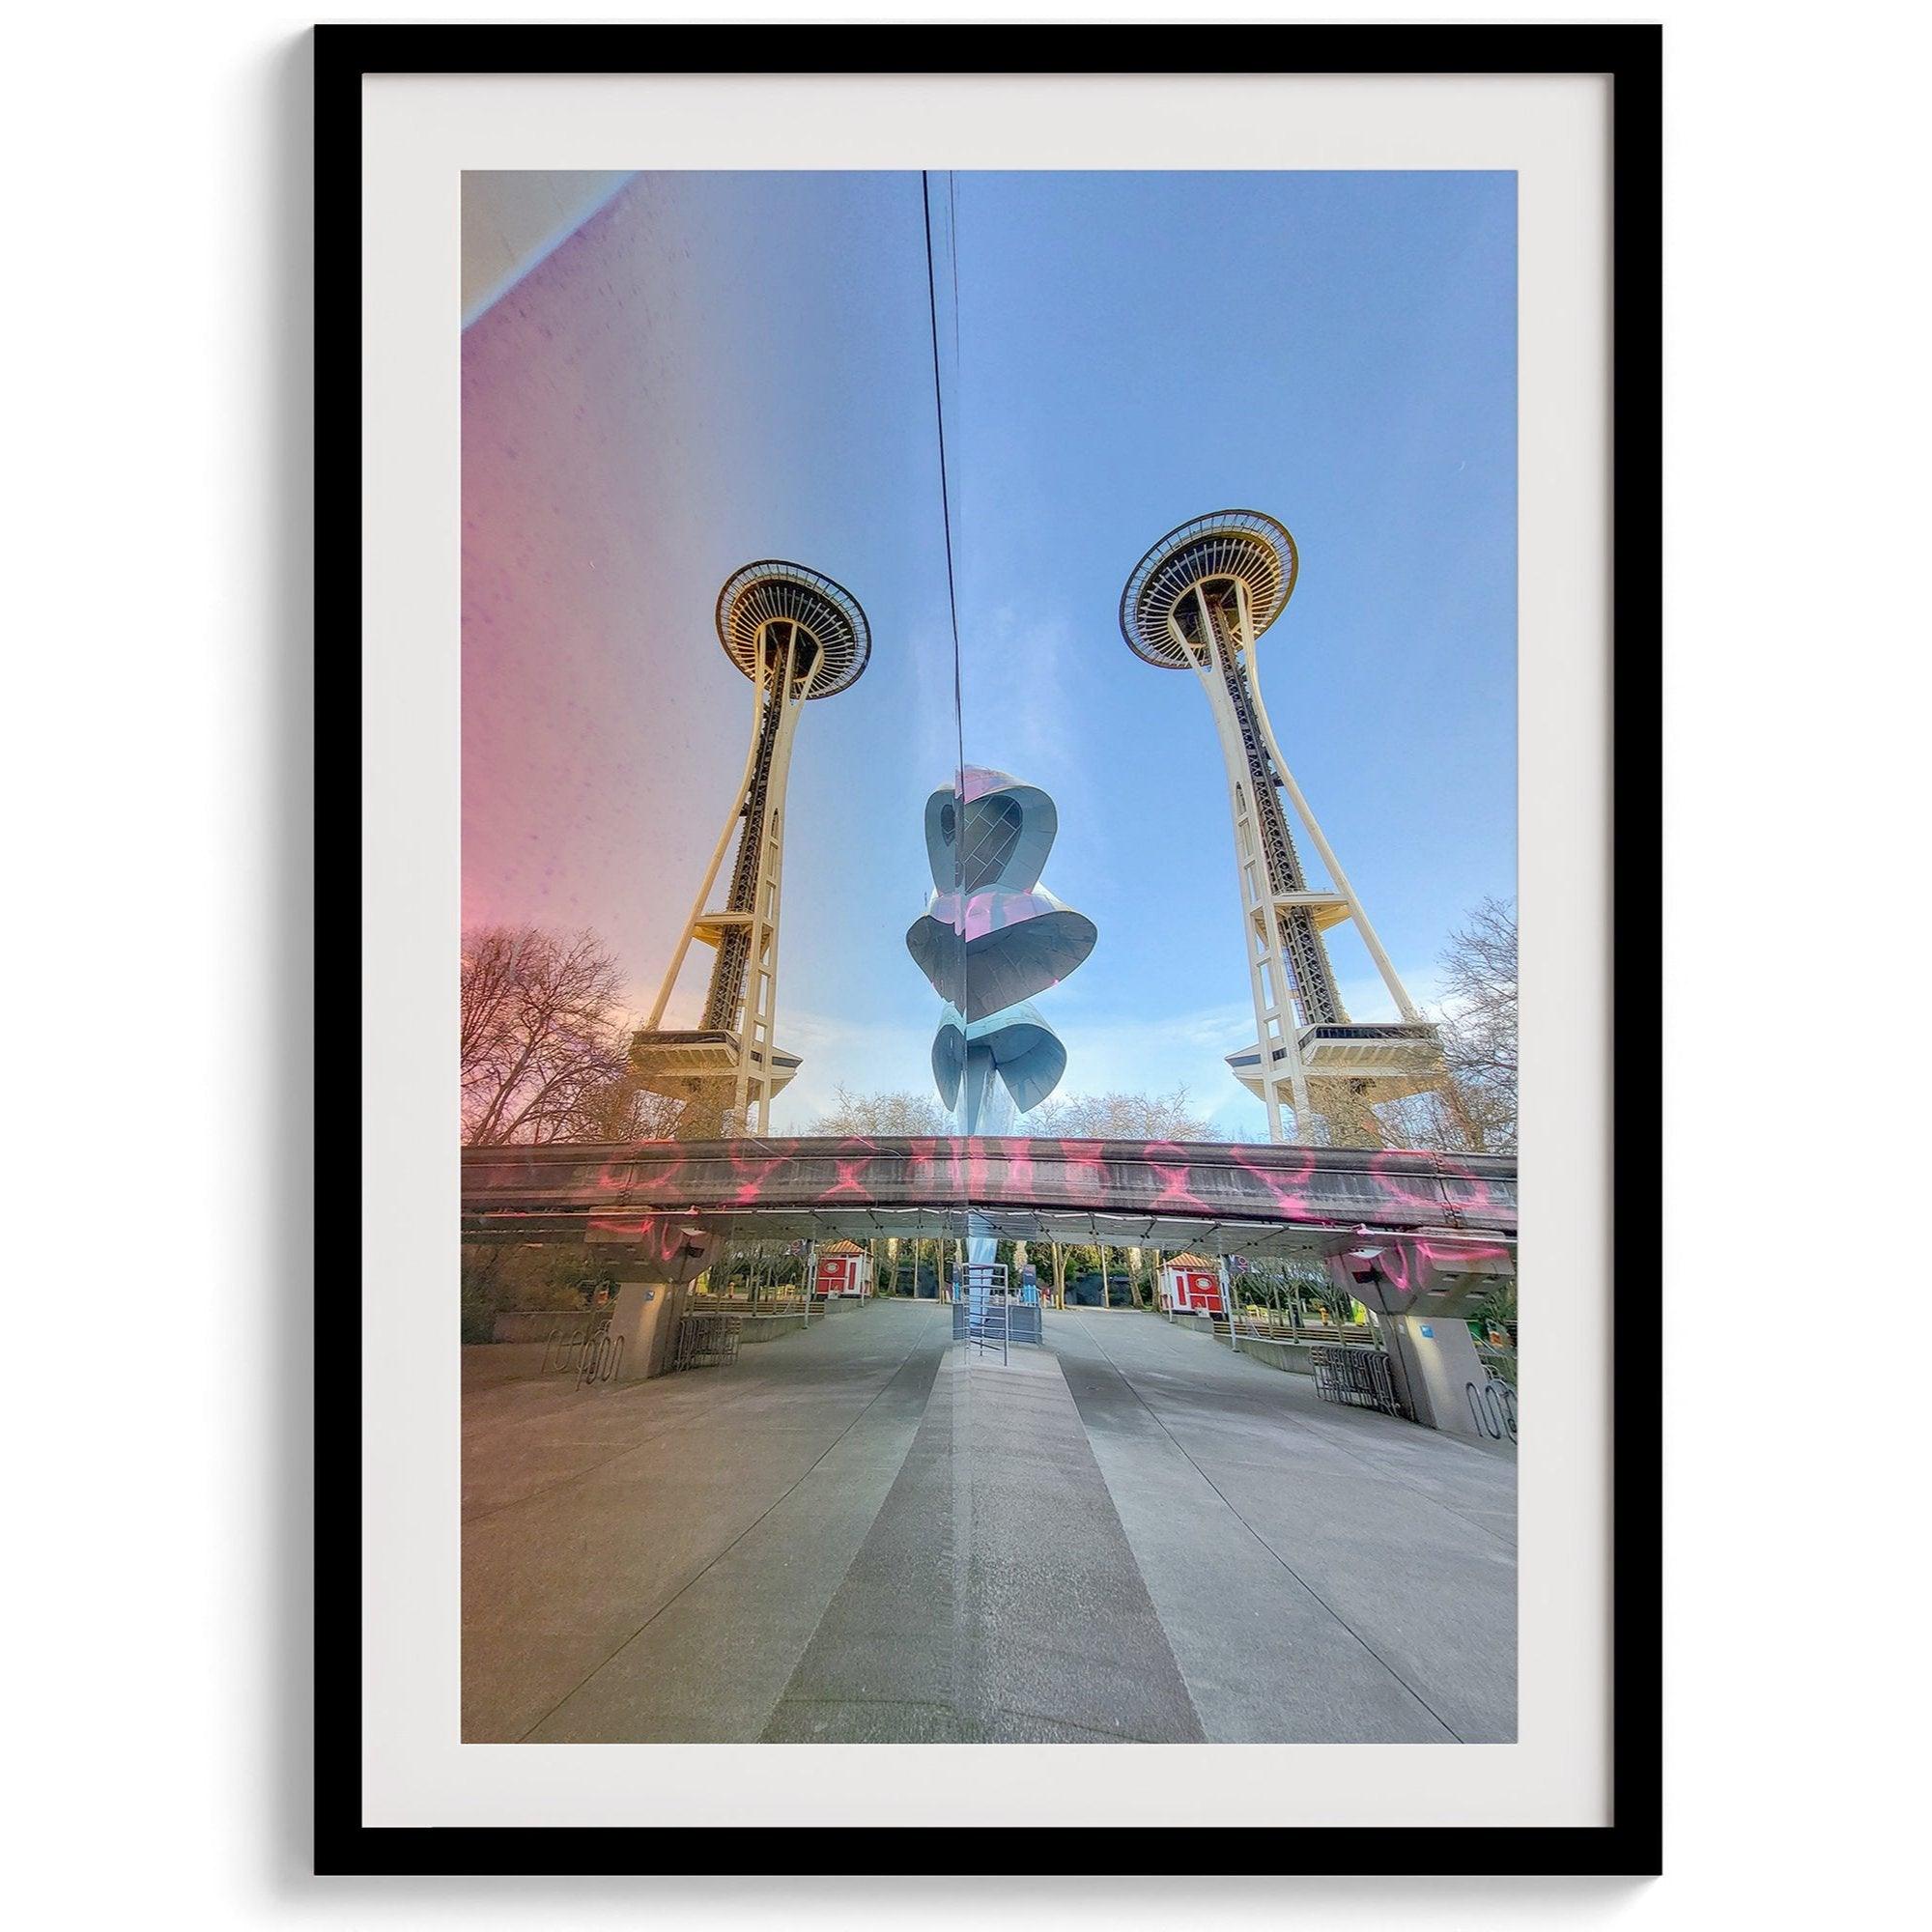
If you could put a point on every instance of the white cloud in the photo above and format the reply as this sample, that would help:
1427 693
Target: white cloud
1155 1053
934 717
1018 715
1151 1053
865 1056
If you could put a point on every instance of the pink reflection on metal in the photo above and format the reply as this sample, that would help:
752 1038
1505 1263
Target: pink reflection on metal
1400 1225
1018 1155
999 1168
991 911
938 1158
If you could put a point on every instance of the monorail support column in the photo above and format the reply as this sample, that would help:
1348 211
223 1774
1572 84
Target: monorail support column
644 1318
1433 1358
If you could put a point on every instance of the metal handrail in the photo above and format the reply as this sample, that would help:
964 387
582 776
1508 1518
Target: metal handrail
708 1337
988 1304
1355 1378
1280 1325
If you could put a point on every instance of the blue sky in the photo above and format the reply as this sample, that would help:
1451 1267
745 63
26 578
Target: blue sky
722 367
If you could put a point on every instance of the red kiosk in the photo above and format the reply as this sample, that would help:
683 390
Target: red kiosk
843 1267
1191 1285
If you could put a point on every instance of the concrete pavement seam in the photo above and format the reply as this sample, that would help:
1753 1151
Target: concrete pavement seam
1302 1581
698 1575
736 1398
1340 1439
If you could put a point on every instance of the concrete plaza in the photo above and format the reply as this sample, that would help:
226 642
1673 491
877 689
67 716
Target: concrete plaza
862 1533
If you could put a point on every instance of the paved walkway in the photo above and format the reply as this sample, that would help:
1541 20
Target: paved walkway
862 1533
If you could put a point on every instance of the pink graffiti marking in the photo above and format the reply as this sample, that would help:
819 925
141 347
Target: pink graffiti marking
849 1170
622 1176
754 1173
1285 1188
1174 1191
1445 1170
1411 1263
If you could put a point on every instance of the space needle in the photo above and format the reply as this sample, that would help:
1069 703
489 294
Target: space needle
1199 601
796 636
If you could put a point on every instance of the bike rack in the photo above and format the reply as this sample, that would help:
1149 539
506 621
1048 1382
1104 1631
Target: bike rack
1492 1408
708 1338
565 1344
603 1354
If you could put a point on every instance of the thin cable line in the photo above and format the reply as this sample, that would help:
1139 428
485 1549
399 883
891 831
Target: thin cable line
946 518
939 415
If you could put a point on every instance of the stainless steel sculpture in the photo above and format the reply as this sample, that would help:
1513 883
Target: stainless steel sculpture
797 635
992 937
1198 601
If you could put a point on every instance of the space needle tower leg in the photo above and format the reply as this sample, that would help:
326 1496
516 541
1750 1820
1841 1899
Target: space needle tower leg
1200 600
1371 939
796 636
1280 1006
734 818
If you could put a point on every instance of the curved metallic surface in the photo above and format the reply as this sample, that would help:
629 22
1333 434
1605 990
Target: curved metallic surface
1227 545
1003 967
1025 1051
836 638
991 833
971 915
991 938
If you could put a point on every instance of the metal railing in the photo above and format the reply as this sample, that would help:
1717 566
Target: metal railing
787 1302
1282 1325
706 1339
1355 1378
1499 1361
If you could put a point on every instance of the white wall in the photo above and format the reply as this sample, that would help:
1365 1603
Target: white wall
512 220
153 778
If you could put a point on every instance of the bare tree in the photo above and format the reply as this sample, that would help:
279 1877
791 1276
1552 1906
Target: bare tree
907 1114
624 1110
1117 1117
1351 1118
542 1034
1478 1023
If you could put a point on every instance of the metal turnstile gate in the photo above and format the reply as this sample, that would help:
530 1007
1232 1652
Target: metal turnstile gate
980 1298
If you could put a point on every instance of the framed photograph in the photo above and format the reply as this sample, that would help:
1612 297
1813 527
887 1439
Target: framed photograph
1135 589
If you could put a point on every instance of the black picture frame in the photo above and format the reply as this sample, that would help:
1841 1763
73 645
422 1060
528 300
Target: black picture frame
1630 56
